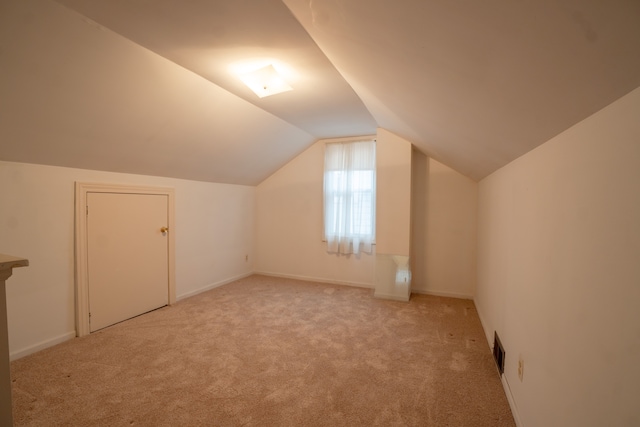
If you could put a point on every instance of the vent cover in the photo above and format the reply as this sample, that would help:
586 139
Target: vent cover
498 353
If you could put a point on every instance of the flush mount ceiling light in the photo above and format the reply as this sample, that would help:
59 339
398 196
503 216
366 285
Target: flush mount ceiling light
265 81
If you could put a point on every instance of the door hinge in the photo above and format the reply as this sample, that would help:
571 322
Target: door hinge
87 209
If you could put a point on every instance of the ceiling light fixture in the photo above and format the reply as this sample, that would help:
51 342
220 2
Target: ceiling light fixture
265 81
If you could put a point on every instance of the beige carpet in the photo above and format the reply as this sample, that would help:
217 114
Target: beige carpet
272 352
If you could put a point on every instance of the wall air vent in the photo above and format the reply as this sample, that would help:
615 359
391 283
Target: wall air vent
498 353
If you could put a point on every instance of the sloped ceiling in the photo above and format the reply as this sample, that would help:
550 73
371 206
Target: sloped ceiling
478 84
146 87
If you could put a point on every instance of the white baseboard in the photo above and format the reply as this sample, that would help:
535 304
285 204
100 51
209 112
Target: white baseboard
503 378
442 294
488 334
70 335
212 286
41 345
390 297
315 279
512 403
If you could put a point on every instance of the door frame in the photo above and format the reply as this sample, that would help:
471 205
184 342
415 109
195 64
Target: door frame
81 259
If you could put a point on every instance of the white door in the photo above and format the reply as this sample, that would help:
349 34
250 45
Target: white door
127 256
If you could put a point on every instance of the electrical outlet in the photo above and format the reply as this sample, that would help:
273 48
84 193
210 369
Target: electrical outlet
521 368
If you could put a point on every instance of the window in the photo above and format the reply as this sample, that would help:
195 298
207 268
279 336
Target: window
350 196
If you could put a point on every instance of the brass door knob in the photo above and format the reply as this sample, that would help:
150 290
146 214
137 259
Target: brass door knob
164 230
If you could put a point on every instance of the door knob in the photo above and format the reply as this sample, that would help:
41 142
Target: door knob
164 230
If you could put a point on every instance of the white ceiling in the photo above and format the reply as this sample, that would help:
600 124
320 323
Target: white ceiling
145 86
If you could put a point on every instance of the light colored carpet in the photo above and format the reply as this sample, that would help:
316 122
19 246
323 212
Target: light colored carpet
264 351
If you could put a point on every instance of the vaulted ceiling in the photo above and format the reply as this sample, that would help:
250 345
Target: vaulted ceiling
147 86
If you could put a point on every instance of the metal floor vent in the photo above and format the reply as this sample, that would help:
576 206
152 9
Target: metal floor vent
498 353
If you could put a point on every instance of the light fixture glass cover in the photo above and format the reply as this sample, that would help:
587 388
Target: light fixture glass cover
265 81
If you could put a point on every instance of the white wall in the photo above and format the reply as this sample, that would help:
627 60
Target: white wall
289 223
214 231
393 194
289 229
444 229
559 272
393 216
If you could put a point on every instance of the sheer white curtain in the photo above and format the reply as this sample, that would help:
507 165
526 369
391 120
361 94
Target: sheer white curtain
350 196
